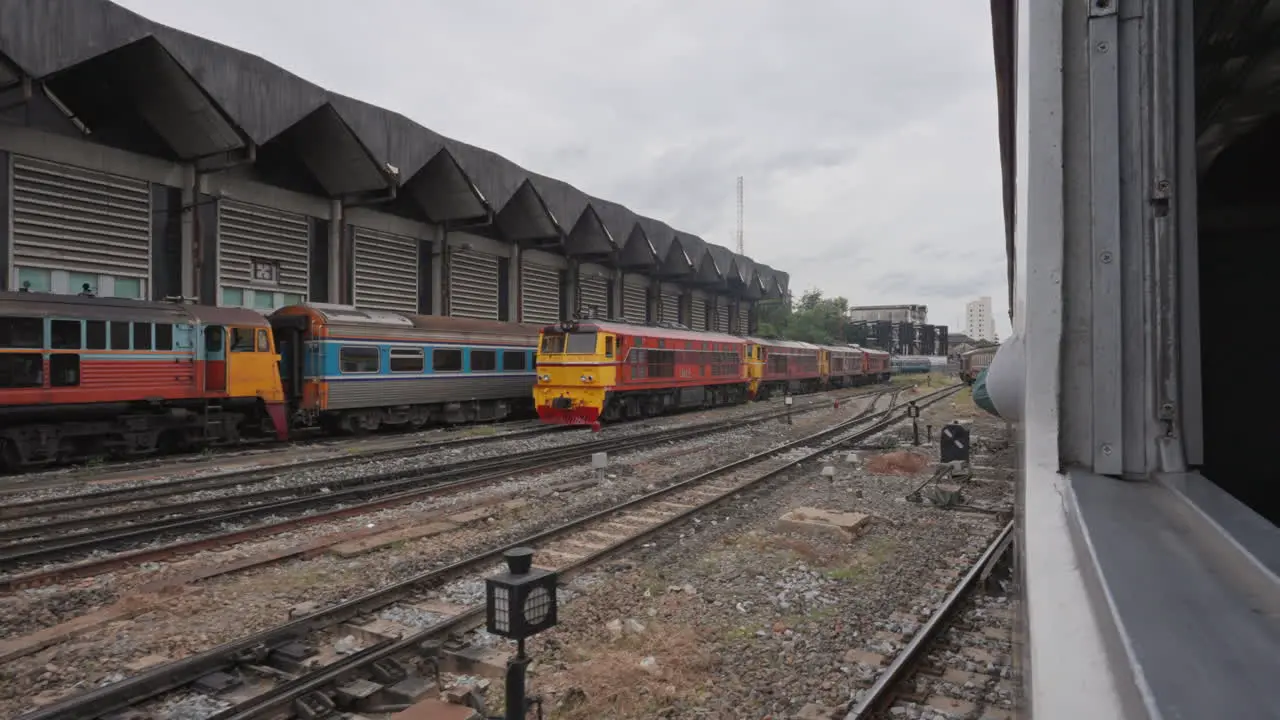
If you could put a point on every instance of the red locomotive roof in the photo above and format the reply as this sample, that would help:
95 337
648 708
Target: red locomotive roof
652 332
786 344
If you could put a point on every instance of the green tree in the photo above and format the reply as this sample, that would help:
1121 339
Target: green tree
813 318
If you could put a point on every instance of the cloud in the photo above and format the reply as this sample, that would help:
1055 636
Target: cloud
866 131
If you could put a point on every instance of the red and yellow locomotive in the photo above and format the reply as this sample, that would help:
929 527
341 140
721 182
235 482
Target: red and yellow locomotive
600 371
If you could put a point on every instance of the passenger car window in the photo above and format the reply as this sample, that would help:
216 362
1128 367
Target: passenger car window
407 360
446 360
119 335
65 335
21 332
356 359
484 360
513 360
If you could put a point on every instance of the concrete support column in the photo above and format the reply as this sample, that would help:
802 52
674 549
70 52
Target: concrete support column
616 294
188 231
569 303
438 289
514 275
335 251
655 300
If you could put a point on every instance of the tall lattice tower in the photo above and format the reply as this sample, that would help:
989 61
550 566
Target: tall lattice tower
740 252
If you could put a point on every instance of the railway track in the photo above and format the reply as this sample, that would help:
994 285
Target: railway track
954 662
151 532
296 667
13 486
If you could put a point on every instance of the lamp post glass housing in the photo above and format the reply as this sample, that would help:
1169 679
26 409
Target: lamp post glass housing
521 602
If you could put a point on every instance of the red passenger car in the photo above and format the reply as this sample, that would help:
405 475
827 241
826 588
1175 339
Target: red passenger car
787 366
876 364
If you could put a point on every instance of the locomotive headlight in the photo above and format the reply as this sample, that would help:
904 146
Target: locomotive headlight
545 378
583 378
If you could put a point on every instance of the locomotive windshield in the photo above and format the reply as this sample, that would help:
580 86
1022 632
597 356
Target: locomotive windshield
578 343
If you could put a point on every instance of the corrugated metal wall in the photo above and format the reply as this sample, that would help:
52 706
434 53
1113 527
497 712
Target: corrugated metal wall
386 271
722 318
68 218
593 291
635 298
698 319
250 236
539 292
473 284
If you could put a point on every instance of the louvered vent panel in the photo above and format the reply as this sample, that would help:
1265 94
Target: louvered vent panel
635 300
473 285
670 307
722 319
68 218
744 319
593 292
539 293
249 234
698 319
386 271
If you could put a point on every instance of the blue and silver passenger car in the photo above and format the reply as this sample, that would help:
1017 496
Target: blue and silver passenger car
355 370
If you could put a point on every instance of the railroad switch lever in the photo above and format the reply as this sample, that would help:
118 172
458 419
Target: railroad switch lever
913 412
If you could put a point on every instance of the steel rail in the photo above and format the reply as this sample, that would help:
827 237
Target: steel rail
881 692
391 489
118 496
161 679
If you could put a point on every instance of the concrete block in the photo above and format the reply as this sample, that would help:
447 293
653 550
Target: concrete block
436 710
411 690
479 661
829 523
381 540
950 706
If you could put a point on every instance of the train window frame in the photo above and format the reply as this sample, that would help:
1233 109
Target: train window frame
164 336
488 357
376 355
64 370
237 334
402 354
59 335
452 354
520 356
142 336
9 380
575 348
95 335
15 326
120 330
608 346
548 347
264 343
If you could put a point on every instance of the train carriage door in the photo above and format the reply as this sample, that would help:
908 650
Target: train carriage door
215 359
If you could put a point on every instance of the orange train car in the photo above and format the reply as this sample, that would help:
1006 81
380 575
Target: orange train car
595 371
83 376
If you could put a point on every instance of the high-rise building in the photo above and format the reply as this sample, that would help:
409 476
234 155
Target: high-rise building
979 323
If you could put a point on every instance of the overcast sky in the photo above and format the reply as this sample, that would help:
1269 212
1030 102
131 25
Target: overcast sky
866 131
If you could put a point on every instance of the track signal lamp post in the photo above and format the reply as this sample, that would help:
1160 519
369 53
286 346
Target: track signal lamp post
520 603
